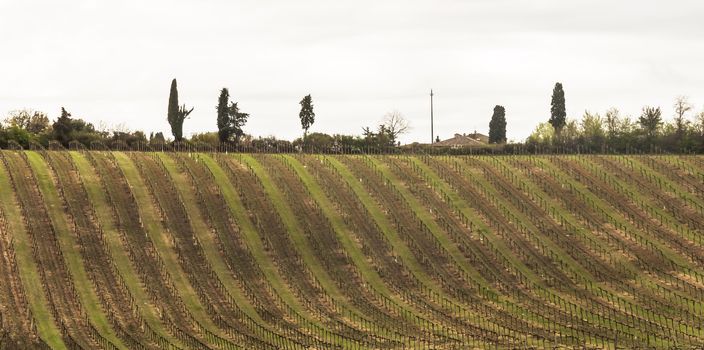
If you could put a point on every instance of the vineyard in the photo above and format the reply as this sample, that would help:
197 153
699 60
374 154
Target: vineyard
169 250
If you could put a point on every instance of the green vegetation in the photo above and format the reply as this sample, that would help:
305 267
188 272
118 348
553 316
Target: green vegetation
32 285
230 120
307 115
611 133
267 251
558 113
497 125
70 248
176 114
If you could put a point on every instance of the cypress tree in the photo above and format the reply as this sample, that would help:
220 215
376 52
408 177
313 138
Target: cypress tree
176 115
173 109
558 113
306 114
224 130
497 125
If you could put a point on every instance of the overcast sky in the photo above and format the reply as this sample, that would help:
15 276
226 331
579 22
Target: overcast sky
113 61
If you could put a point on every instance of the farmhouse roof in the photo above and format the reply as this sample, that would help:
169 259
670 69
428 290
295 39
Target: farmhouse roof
461 140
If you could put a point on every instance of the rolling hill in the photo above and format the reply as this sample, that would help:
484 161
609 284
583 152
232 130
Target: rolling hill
136 250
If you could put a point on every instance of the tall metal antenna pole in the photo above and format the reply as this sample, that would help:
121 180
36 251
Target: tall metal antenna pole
432 133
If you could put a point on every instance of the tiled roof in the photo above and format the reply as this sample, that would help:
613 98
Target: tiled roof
460 140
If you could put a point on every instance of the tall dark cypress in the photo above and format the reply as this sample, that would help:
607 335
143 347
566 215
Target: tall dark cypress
176 115
558 112
497 125
224 129
173 110
306 114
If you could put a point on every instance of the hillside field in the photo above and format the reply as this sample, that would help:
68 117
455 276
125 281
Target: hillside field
136 250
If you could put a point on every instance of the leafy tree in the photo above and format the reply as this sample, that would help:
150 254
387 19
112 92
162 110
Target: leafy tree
497 125
237 121
570 132
650 120
317 141
15 133
627 134
627 126
700 123
176 114
544 133
209 138
84 132
558 112
269 143
307 115
612 120
230 119
382 138
592 128
18 118
34 122
129 138
62 127
66 129
157 138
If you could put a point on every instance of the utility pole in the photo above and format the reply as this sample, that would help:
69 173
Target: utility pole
432 133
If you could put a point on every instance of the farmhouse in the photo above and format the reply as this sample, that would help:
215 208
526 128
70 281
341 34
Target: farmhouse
464 140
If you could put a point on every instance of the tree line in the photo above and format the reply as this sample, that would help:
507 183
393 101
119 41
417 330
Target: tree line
28 127
614 132
594 132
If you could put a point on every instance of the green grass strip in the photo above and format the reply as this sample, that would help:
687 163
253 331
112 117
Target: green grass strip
647 203
251 237
558 211
383 223
161 239
575 268
298 237
636 196
604 206
426 217
567 259
344 234
462 206
397 244
609 208
101 204
296 233
206 237
669 181
29 273
68 244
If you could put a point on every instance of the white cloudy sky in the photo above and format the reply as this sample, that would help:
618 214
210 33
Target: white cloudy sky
113 61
